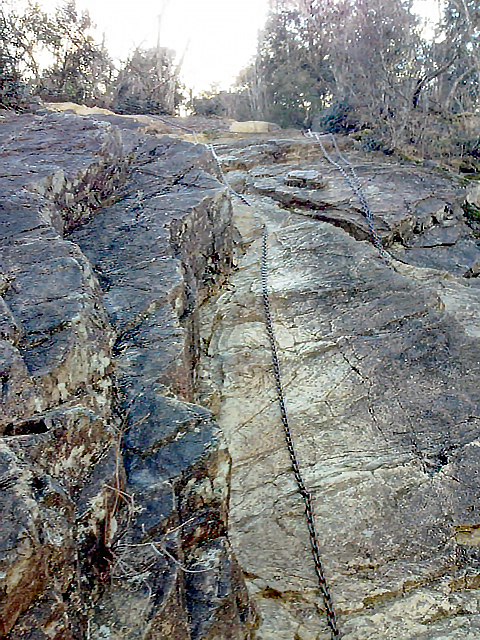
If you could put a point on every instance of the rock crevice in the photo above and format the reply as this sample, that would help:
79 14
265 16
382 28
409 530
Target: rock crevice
131 510
116 486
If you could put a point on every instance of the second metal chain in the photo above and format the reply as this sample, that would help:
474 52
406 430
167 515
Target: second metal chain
355 185
324 588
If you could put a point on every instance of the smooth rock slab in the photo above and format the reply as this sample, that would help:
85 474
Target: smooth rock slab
380 380
416 212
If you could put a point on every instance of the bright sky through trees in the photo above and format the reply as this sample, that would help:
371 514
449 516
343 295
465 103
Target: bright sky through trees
217 37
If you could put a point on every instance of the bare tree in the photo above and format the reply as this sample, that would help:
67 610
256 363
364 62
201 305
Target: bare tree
148 83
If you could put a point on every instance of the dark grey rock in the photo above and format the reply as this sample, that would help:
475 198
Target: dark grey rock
37 546
77 163
217 609
19 398
97 326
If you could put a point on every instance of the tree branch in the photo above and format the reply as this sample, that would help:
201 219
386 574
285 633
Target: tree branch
421 82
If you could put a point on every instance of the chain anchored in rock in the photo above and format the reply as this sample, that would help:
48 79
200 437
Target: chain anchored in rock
211 148
324 588
232 191
355 185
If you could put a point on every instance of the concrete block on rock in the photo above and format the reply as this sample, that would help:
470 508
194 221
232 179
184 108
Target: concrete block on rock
253 126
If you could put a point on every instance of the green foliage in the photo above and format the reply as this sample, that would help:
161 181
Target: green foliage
292 69
82 70
353 65
471 212
16 56
458 89
10 87
313 55
148 83
227 104
337 118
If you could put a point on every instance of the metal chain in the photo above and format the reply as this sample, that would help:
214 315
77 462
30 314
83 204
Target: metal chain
217 160
211 148
322 580
319 570
357 189
355 185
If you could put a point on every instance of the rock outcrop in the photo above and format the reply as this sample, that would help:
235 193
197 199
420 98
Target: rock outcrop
146 489
115 486
253 126
380 371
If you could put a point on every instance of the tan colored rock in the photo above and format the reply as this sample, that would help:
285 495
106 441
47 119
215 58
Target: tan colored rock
79 109
253 126
152 125
379 369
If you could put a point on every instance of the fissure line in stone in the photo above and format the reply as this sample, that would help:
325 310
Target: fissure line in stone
302 489
348 172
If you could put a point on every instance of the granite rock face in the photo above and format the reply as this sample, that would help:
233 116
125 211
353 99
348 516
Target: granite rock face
380 371
143 466
115 486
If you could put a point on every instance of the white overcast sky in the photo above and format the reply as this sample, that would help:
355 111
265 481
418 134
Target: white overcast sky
221 35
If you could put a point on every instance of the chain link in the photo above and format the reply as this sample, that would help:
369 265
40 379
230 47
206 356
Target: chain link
355 185
309 515
217 160
319 570
211 148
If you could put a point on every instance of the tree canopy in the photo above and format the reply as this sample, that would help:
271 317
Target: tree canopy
358 66
79 69
365 65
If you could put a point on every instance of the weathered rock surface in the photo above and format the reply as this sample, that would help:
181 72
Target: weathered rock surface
261 154
114 507
116 513
410 206
417 213
380 371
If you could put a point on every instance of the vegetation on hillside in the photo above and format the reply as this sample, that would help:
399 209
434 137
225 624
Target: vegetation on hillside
362 67
79 69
